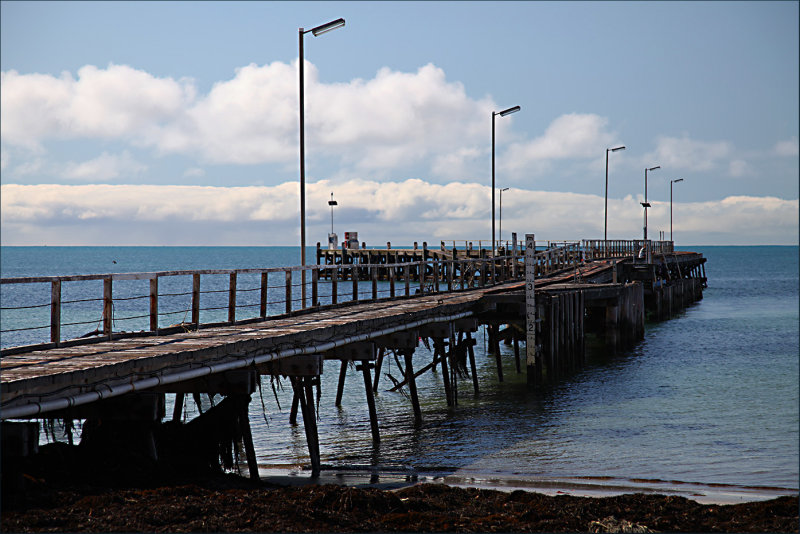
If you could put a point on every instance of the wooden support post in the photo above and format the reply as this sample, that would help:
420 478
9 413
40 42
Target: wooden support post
293 411
303 391
373 416
108 307
196 301
232 298
177 409
494 343
412 385
247 438
378 365
55 312
154 304
407 276
391 274
516 353
439 352
340 388
264 294
453 365
473 369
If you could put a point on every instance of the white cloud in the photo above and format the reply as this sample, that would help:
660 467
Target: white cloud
105 167
393 119
573 135
688 154
401 212
787 148
116 102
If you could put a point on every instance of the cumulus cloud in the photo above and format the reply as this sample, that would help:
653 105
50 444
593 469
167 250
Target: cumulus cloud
574 135
689 154
787 148
390 120
401 212
116 102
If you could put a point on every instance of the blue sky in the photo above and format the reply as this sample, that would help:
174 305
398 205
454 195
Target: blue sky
176 122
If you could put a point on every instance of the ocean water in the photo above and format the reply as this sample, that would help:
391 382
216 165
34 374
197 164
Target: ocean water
705 406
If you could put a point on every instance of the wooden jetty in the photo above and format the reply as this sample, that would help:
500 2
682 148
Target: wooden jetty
546 299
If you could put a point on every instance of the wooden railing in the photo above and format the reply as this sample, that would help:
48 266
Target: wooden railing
50 311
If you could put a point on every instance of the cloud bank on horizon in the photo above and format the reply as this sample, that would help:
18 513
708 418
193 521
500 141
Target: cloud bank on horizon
115 154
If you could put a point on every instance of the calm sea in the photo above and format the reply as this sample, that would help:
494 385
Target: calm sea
705 406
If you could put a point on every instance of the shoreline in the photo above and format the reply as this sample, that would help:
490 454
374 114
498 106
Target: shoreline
229 503
577 486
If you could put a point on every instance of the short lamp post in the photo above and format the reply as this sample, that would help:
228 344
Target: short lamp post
605 220
646 204
318 30
500 236
503 113
332 203
670 208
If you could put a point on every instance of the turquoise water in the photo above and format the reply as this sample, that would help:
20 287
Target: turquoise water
706 404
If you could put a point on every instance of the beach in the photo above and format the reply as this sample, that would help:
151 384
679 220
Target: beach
229 505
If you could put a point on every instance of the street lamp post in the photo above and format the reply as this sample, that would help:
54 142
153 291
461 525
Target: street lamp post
670 207
605 223
318 30
646 204
500 233
503 113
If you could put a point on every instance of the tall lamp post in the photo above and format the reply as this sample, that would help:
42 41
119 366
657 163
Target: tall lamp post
500 236
646 204
318 30
605 223
503 113
670 207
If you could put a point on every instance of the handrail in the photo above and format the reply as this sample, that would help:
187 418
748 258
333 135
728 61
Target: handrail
147 308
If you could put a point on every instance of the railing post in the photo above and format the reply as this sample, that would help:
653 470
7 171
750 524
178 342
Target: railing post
154 304
354 278
264 293
196 300
315 287
391 280
423 267
374 273
108 307
407 276
334 284
435 264
55 312
288 290
451 267
232 298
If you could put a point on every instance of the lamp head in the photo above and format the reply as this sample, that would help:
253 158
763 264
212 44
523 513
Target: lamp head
508 111
618 148
678 180
654 168
328 26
